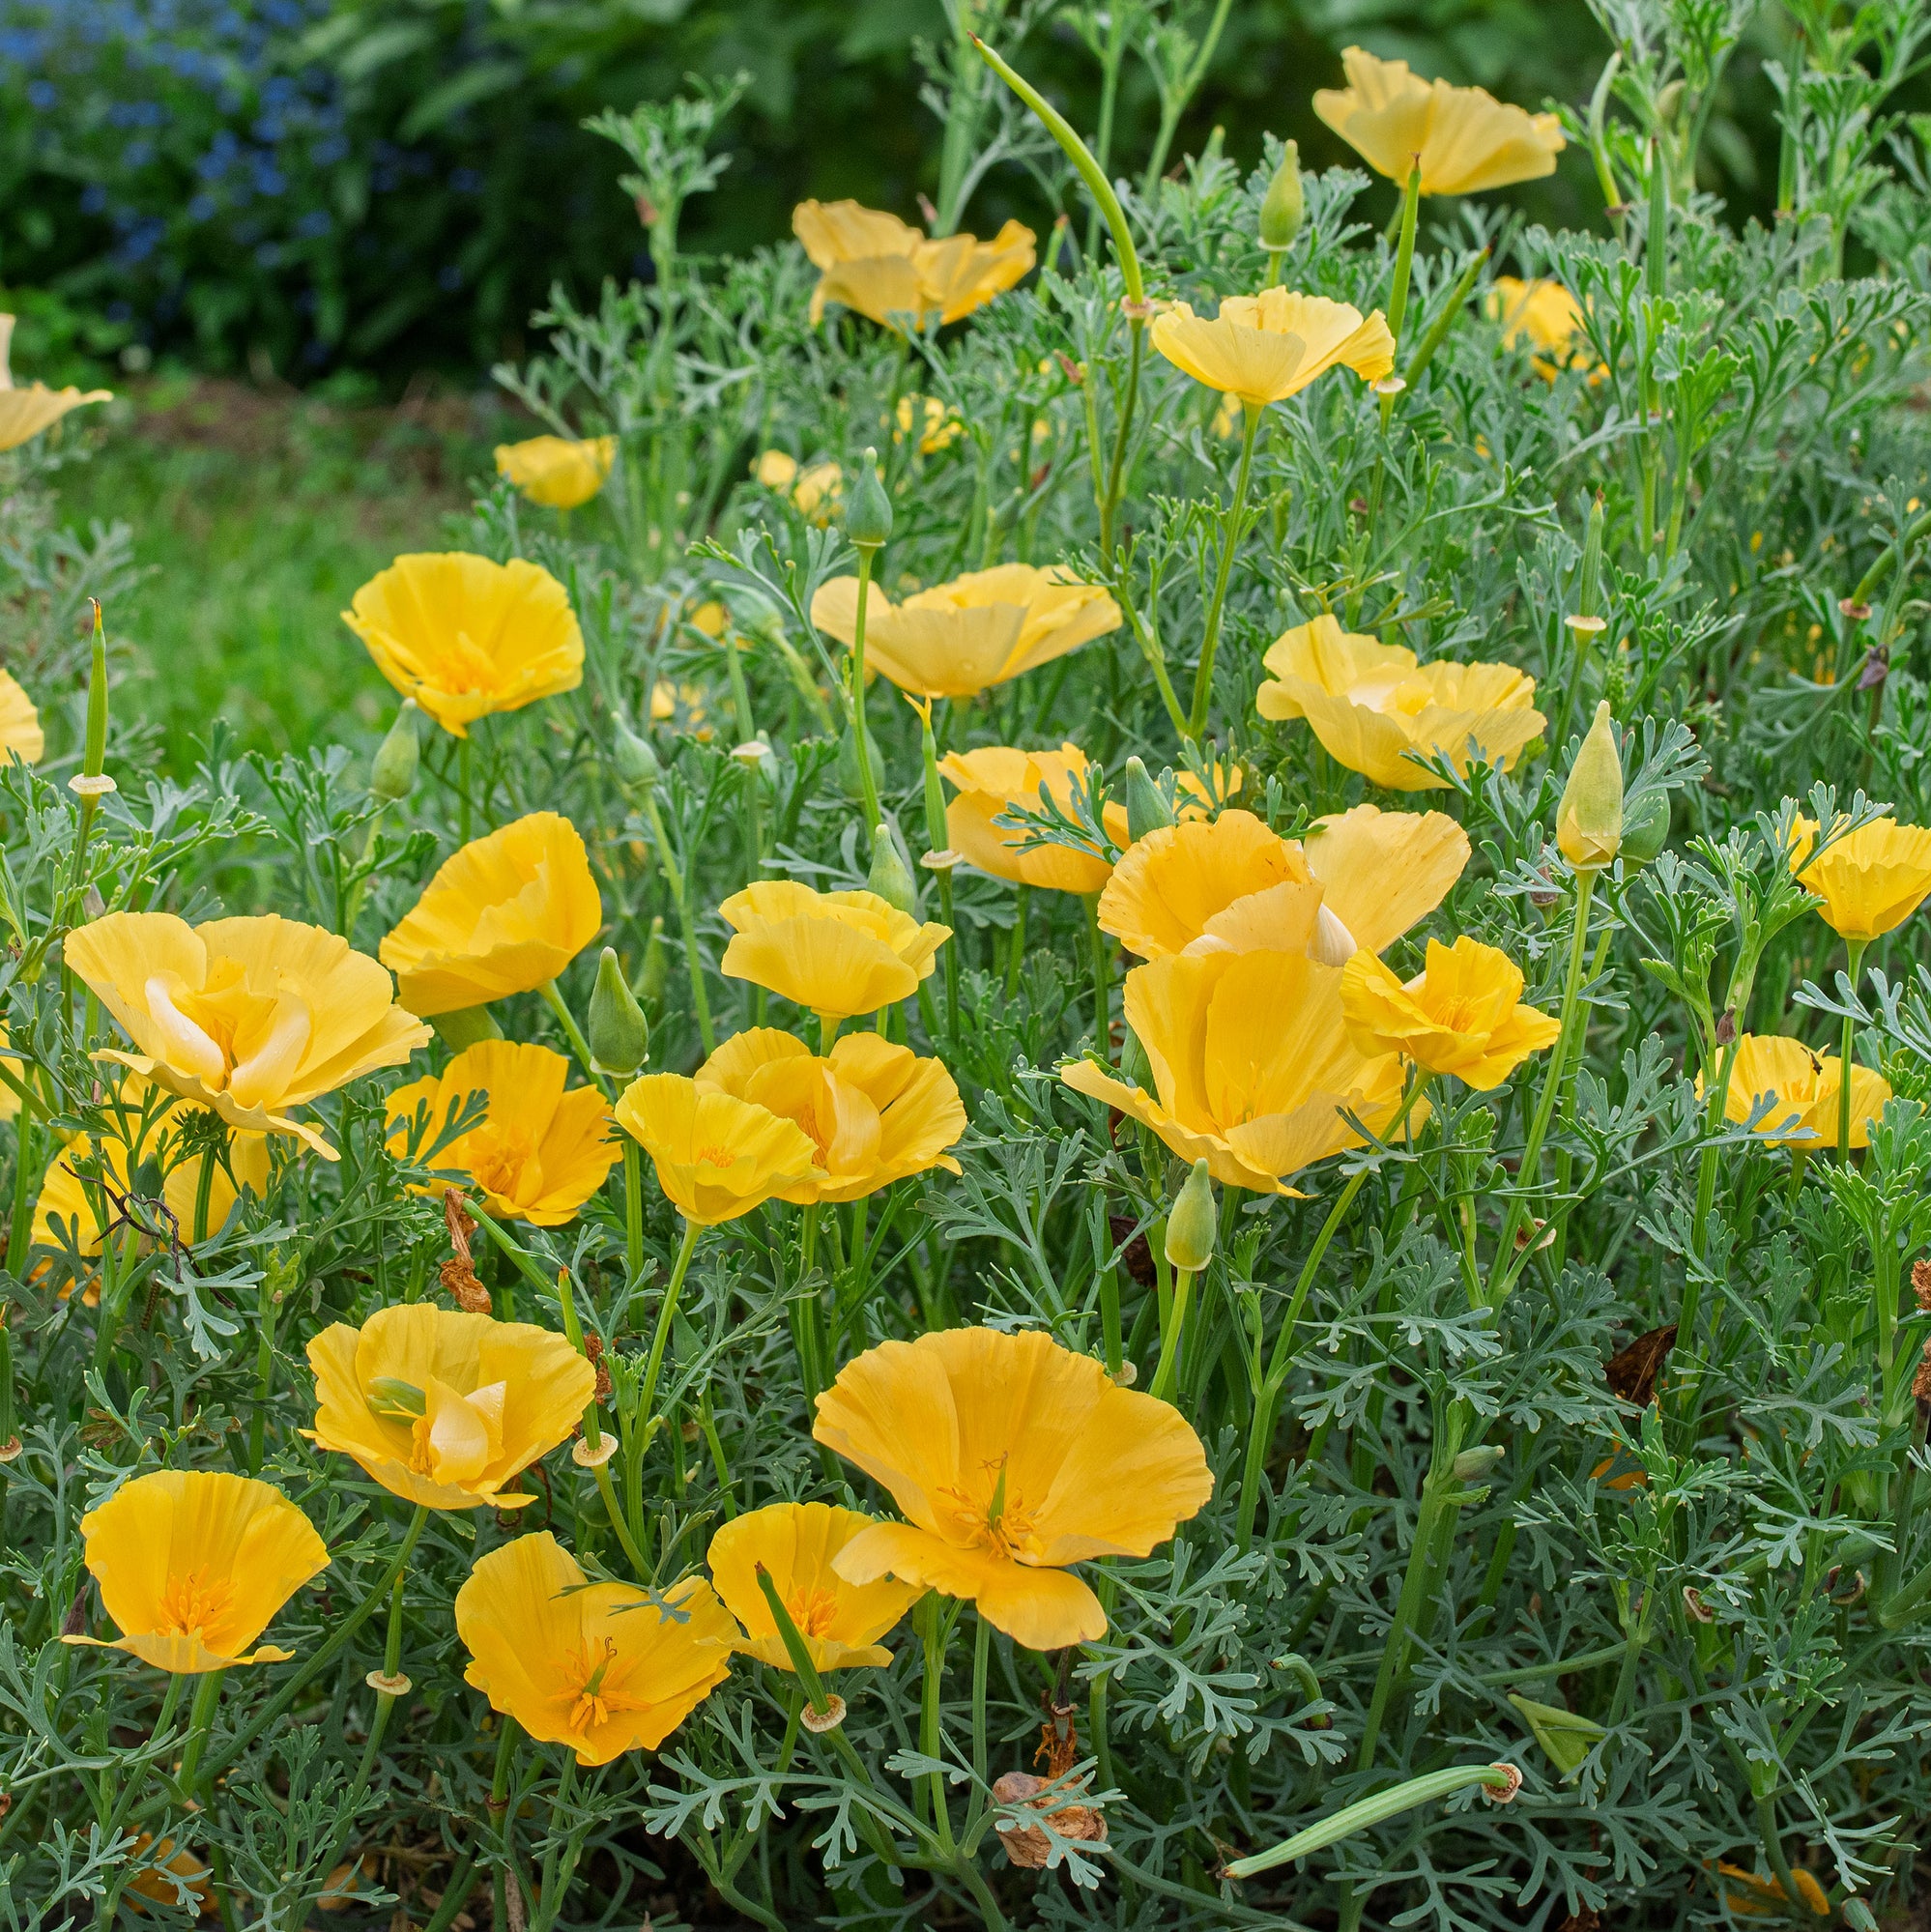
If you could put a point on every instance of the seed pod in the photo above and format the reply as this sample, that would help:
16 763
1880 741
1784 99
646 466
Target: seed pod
1191 1225
1285 206
392 775
1588 825
619 1034
1147 811
868 510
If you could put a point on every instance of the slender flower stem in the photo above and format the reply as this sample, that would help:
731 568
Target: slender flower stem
674 878
633 1212
1404 261
660 1341
1162 1389
1230 534
1122 435
868 788
1103 988
574 1034
935 1625
1017 957
465 821
1855 948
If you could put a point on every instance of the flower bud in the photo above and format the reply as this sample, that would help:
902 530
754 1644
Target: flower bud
1282 211
392 775
890 877
636 763
466 1026
619 1036
1190 1223
868 510
1588 825
1645 829
1146 810
656 964
1474 1465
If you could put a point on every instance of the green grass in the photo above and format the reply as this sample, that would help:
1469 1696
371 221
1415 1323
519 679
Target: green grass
256 517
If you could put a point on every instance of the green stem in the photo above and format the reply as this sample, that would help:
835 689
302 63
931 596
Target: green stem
1162 1389
868 788
660 1341
674 878
464 809
1855 949
1210 637
1017 957
1404 261
633 1212
1368 1811
936 1615
574 1034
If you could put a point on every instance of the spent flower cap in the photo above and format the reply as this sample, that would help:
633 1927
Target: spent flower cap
1588 825
619 1036
1191 1226
868 510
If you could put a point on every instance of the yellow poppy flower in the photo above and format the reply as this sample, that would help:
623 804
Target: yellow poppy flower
939 427
872 1111
959 639
465 637
539 1153
505 914
1806 1091
841 1623
1265 348
1460 1015
815 490
1370 704
1871 879
995 778
597 1666
445 1408
837 953
26 411
1011 1458
1232 885
559 472
1464 140
1252 1064
249 1016
1542 317
20 722
1765 1897
163 1890
193 1565
717 1157
877 265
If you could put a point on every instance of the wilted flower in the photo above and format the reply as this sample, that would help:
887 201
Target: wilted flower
559 472
814 490
598 1667
959 639
1370 704
872 1111
795 1543
874 263
717 1157
20 722
1267 347
466 636
26 411
1806 1091
836 953
539 1152
445 1408
1461 1015
1012 1458
1871 879
250 1016
1252 1065
1542 317
1462 138
193 1564
505 914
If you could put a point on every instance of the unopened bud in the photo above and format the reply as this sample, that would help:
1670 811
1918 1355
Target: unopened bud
890 877
868 510
392 775
619 1034
636 763
1146 810
1282 211
1191 1223
466 1026
1474 1465
1588 825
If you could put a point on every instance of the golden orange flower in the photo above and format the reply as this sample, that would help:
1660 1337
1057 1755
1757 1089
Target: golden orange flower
539 1152
1463 139
505 914
193 1565
877 265
445 1408
597 1667
1012 1458
466 636
26 411
249 1017
1252 1065
559 472
1461 1015
717 1157
959 639
837 953
1371 705
1871 879
20 722
991 781
1804 1089
797 1543
1262 349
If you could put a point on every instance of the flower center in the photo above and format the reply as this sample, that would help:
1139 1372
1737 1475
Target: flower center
601 1675
464 665
504 1160
997 1521
189 1604
813 1611
714 1156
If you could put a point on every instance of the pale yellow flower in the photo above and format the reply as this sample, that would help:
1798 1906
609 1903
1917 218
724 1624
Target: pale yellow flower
835 953
559 472
26 411
875 264
1262 349
20 722
1544 318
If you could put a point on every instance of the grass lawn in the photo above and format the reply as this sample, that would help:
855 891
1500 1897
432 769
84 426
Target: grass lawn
255 516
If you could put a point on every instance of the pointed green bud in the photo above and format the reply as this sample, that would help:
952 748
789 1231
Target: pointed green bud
635 762
1645 827
868 510
891 877
1588 825
619 1036
1192 1221
1566 1737
656 972
1474 1465
1147 811
466 1026
392 775
1285 206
